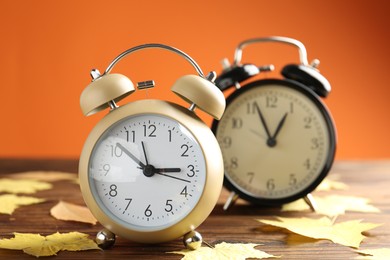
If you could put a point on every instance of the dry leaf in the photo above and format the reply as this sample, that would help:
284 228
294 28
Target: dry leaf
67 211
224 251
327 185
37 245
333 205
379 254
10 202
50 176
22 186
348 233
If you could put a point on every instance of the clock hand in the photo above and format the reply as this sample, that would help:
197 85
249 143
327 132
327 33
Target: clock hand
128 153
173 177
156 170
257 133
263 121
279 126
143 148
149 169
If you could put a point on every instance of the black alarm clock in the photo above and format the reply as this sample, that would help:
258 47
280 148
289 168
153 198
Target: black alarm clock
277 137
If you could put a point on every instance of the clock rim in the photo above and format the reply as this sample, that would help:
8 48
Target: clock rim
330 127
213 164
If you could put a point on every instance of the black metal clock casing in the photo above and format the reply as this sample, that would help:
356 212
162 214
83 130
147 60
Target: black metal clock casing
277 137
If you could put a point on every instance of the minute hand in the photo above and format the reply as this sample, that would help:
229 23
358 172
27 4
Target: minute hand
263 121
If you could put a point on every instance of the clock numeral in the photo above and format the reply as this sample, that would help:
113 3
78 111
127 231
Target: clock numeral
113 190
184 192
236 123
227 141
307 122
130 136
314 143
185 147
307 164
271 184
291 108
251 107
116 151
129 200
271 101
192 170
106 168
169 206
170 135
148 212
150 129
233 163
293 180
250 175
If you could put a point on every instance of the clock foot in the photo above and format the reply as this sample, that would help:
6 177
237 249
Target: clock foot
311 202
192 240
105 239
230 201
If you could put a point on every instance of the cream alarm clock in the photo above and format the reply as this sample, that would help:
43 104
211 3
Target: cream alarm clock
151 171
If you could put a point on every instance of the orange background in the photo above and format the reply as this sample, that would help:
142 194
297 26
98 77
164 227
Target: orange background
48 48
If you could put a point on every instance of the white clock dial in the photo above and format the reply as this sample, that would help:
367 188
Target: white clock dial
147 172
275 141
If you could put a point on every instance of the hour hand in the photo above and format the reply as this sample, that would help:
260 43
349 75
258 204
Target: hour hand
128 153
167 170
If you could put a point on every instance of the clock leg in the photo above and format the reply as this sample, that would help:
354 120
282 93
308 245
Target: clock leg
105 239
192 240
230 201
311 202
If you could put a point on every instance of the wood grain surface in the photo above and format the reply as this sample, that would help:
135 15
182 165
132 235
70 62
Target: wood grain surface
368 179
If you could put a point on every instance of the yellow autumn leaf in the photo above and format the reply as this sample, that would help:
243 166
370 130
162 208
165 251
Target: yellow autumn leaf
327 185
49 176
68 211
37 245
377 254
22 186
224 251
348 233
333 205
10 202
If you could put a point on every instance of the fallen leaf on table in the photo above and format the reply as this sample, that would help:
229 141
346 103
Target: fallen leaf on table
37 245
333 205
50 176
68 211
224 251
23 186
379 254
348 233
327 185
10 202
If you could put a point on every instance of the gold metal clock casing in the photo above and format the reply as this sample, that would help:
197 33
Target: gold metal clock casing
213 162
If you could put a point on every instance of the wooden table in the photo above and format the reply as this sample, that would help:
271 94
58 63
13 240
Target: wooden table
365 179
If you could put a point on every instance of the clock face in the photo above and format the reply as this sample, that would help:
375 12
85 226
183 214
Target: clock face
277 141
147 172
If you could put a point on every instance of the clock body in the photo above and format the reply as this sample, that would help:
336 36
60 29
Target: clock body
277 139
151 171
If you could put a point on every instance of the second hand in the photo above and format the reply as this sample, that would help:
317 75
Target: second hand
173 177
